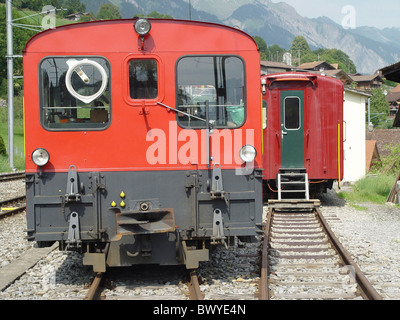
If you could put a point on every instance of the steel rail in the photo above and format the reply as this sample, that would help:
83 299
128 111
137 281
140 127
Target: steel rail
12 176
13 210
95 288
12 200
263 286
194 287
367 290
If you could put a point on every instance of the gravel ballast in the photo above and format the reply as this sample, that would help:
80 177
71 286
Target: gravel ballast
372 237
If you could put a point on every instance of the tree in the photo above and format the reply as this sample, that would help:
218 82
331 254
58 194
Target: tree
108 11
275 53
337 56
379 106
300 44
155 14
73 6
3 150
301 50
262 45
20 37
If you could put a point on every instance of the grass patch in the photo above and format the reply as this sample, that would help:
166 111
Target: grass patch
357 207
19 160
373 189
19 163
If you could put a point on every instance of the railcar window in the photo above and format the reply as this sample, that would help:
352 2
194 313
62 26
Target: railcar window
218 80
292 113
75 93
143 79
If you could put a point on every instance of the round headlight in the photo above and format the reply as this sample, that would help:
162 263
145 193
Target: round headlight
142 27
248 153
40 157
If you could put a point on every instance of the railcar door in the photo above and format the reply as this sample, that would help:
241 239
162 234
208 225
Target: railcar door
292 129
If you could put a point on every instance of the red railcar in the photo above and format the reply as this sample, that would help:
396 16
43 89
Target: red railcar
143 139
303 140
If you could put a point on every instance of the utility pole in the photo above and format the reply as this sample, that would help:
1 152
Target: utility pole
190 10
10 68
10 83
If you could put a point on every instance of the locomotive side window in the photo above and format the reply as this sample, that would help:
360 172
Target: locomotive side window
216 81
143 79
292 113
75 93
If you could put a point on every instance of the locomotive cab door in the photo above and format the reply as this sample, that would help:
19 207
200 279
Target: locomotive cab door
292 129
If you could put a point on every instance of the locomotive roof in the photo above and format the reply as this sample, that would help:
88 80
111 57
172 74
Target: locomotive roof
113 36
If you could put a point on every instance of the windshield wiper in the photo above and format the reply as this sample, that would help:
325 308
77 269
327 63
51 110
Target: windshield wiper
179 111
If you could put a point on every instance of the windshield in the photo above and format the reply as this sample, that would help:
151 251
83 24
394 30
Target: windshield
216 81
75 93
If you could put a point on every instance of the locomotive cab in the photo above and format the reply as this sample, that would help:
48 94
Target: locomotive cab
142 149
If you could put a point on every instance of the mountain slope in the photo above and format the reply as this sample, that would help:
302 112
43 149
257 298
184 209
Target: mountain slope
278 23
367 53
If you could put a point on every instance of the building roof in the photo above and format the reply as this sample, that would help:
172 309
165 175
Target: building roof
335 65
81 14
273 64
392 72
316 65
383 138
77 14
340 75
367 78
356 91
393 96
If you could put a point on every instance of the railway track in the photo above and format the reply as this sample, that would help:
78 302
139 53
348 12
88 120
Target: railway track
328 272
98 288
303 259
194 287
95 290
12 176
12 206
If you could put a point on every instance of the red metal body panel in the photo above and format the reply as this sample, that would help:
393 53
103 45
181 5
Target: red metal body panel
323 124
123 145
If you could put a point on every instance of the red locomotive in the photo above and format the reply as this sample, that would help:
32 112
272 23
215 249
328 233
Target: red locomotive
303 140
143 140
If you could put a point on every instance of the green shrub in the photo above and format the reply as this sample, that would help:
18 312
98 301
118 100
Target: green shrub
3 150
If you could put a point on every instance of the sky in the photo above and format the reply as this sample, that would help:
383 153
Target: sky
354 13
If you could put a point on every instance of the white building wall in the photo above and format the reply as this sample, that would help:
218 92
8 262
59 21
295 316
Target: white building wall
354 146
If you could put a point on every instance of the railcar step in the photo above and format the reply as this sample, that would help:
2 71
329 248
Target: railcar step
301 181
